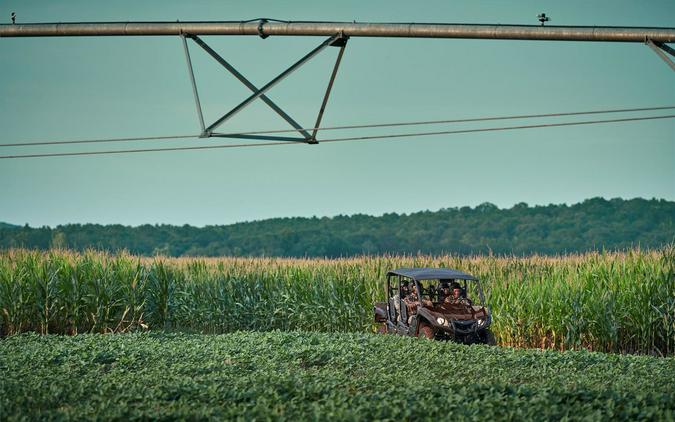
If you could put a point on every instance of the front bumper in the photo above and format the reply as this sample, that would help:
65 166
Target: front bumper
456 327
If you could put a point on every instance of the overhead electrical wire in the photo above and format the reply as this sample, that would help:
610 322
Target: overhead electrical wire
365 126
355 138
93 141
495 129
467 120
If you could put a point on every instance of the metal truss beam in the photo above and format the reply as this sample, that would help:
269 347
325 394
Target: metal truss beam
249 85
295 66
337 40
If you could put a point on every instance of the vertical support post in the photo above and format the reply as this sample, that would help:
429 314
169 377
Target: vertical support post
328 89
194 86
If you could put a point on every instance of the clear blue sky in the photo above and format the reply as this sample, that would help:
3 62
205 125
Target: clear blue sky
79 88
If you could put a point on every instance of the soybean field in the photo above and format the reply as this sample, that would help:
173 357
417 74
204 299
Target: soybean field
620 302
320 376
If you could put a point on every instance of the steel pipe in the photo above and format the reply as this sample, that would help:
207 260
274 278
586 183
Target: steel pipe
349 29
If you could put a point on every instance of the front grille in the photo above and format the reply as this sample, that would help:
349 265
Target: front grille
463 326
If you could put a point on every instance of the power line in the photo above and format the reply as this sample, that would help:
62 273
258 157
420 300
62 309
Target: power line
364 138
495 129
92 141
366 126
468 120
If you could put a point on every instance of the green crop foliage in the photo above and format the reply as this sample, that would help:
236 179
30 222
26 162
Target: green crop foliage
612 302
320 376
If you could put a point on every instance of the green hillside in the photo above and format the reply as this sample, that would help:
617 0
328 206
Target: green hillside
594 224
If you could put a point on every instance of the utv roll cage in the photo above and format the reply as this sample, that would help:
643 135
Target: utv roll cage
432 316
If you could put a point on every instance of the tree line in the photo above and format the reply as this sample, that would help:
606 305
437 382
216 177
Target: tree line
594 224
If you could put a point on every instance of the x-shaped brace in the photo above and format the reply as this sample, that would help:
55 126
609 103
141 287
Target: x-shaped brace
338 40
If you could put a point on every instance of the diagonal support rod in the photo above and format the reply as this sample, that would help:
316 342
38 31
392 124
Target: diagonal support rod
270 84
249 85
665 47
194 85
659 49
343 44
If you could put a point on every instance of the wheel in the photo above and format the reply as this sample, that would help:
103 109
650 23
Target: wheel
425 331
488 338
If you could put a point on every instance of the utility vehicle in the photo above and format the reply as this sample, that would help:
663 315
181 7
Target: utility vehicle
436 303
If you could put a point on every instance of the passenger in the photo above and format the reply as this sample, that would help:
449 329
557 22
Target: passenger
443 291
404 291
412 301
425 302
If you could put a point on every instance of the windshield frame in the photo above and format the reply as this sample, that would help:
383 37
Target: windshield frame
477 301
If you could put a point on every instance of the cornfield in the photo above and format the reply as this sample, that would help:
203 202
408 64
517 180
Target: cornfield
612 302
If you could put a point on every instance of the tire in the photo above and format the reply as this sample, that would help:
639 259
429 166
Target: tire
425 331
488 338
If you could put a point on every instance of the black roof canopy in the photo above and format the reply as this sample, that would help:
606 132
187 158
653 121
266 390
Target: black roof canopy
432 274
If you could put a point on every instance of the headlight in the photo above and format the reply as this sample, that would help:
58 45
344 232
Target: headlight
481 322
441 320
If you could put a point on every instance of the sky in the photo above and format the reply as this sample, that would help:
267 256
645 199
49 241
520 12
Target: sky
106 87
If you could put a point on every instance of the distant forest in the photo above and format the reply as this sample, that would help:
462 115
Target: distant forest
594 224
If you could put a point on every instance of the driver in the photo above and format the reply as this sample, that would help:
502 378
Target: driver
457 297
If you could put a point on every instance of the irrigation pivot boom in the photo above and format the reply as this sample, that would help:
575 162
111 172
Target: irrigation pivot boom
338 33
265 27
